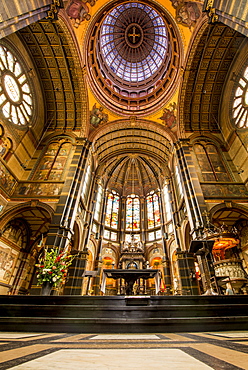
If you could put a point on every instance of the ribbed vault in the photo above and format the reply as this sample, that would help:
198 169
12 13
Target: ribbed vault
138 137
133 174
132 159
205 75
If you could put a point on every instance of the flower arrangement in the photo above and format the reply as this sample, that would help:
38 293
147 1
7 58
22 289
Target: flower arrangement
52 266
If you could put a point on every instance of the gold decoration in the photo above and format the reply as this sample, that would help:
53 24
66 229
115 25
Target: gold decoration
54 9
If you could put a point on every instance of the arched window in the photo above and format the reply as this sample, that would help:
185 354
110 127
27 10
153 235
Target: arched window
211 165
112 210
98 202
132 213
153 213
86 182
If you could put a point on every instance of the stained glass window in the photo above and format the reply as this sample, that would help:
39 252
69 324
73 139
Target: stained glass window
153 214
98 202
240 103
210 163
16 100
132 212
112 210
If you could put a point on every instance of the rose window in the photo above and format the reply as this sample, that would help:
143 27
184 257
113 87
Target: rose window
16 100
240 103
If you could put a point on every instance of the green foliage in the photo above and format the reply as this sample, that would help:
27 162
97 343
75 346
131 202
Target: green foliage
53 267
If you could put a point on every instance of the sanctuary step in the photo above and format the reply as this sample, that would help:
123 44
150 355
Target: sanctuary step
120 314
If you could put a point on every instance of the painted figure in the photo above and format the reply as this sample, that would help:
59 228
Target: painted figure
97 116
78 11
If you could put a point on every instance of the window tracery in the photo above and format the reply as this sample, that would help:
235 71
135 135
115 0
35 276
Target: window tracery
16 98
240 102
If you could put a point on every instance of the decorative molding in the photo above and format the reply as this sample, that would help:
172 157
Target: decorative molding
54 9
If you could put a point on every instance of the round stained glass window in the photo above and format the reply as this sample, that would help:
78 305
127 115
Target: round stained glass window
16 100
133 41
240 103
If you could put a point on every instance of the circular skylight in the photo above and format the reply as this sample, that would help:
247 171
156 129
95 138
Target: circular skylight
16 101
240 103
133 41
133 56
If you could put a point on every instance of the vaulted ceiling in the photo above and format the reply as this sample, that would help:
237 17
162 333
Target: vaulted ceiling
133 157
205 75
57 62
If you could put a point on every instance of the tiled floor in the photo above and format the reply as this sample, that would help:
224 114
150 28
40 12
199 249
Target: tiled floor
180 351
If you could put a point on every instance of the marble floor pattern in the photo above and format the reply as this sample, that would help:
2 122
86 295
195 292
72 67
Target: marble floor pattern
181 351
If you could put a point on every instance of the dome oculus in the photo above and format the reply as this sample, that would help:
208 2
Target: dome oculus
16 101
133 41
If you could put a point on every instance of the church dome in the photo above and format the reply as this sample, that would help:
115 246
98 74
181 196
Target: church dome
134 54
133 43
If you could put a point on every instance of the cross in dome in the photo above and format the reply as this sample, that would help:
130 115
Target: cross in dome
134 35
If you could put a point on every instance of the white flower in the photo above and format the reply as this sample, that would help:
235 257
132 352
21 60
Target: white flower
54 279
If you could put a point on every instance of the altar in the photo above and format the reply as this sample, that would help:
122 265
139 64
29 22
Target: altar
131 276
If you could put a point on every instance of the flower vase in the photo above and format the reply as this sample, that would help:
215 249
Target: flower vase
46 288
